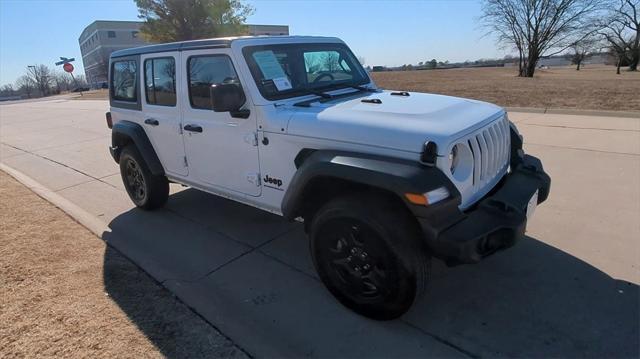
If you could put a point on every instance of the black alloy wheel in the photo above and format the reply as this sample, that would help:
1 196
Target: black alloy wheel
146 190
135 180
366 251
358 260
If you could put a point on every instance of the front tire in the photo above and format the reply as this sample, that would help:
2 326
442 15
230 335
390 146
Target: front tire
147 191
367 252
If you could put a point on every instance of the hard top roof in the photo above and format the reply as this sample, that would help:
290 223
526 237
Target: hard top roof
211 43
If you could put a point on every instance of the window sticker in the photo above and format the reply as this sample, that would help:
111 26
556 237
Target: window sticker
269 65
282 83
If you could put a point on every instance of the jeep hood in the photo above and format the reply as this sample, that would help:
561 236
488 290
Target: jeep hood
397 122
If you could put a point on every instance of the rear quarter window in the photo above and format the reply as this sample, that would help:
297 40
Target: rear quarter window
124 81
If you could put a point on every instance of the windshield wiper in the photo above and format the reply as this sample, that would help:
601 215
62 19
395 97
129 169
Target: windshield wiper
317 93
323 95
362 88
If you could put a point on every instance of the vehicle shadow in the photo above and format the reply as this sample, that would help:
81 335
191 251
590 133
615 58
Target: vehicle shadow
168 323
533 300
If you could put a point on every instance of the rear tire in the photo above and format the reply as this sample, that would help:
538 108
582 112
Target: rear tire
367 252
147 191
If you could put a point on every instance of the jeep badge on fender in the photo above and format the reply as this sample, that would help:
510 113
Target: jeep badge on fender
273 181
383 180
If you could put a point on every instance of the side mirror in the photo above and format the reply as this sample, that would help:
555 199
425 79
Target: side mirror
227 97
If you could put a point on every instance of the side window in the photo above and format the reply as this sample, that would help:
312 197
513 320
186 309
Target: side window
160 81
123 81
205 71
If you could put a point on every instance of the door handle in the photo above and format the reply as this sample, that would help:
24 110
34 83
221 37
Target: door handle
193 128
151 122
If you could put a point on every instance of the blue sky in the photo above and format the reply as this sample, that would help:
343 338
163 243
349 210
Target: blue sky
383 32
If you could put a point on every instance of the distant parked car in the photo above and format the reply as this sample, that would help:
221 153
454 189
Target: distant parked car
104 85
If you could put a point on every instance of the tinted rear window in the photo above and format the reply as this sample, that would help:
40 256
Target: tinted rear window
123 81
160 81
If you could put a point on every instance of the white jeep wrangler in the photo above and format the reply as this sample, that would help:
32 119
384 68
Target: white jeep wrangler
383 180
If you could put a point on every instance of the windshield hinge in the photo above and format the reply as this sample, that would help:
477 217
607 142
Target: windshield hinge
186 163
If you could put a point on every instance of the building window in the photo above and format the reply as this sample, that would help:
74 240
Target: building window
134 34
205 71
123 81
111 34
160 81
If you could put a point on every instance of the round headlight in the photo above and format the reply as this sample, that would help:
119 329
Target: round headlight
460 162
453 159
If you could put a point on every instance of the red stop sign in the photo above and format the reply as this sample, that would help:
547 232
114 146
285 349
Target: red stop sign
68 67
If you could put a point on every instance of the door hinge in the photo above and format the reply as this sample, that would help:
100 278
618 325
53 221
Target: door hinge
254 178
180 129
186 163
251 138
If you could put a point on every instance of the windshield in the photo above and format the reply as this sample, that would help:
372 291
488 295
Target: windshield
290 70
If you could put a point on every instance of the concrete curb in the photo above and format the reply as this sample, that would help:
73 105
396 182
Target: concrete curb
86 219
559 111
98 227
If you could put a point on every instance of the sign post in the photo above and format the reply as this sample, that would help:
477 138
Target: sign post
68 67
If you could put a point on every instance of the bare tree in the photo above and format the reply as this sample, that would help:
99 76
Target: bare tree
619 43
62 81
25 85
539 28
580 50
621 30
7 90
81 81
42 77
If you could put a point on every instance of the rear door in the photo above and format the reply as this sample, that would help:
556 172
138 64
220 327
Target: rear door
162 111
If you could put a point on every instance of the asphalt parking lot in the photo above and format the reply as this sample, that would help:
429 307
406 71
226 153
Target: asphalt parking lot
569 289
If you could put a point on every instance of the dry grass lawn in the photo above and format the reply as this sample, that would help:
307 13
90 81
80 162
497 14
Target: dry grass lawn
595 87
64 294
93 95
592 88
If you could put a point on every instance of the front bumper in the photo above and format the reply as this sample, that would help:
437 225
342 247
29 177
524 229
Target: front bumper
497 222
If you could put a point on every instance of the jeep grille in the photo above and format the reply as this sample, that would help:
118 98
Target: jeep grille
490 148
490 151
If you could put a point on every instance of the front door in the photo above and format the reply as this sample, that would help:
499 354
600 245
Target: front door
162 115
221 150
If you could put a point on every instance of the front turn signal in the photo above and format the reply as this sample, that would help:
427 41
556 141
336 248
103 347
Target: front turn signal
431 197
416 198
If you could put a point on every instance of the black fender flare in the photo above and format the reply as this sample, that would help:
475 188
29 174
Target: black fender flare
124 132
387 173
